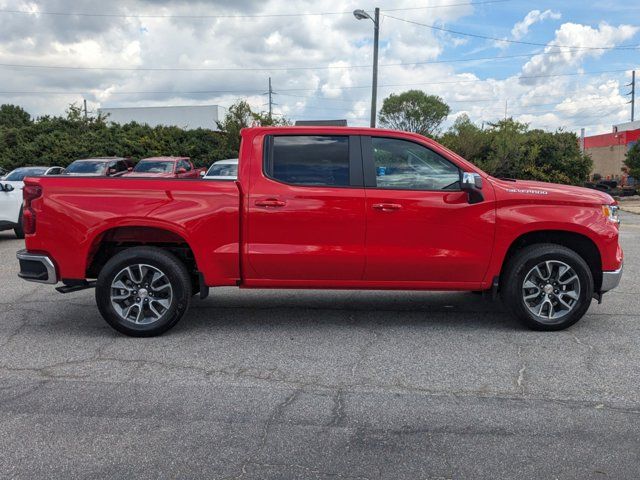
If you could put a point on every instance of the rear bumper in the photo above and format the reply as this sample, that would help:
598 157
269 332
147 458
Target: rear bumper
610 280
35 267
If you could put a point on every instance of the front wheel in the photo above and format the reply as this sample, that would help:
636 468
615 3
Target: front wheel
143 291
547 286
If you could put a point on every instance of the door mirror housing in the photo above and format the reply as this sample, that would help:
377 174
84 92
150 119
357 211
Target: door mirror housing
7 187
471 183
111 170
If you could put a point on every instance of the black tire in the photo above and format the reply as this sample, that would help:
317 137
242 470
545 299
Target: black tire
176 275
18 230
518 267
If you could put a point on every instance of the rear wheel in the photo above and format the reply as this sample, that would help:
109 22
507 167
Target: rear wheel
143 291
547 286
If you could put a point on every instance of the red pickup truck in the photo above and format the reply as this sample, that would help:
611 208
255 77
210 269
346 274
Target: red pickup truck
178 167
339 208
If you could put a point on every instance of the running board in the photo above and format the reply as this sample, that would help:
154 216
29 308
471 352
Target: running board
76 287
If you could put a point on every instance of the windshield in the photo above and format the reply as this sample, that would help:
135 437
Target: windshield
87 166
154 167
19 173
223 170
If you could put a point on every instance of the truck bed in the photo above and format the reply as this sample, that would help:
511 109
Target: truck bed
74 215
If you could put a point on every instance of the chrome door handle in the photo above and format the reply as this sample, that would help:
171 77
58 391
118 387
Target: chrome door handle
387 207
270 202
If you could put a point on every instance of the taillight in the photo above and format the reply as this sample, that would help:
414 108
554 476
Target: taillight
29 193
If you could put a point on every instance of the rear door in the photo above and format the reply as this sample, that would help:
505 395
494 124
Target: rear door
420 226
306 212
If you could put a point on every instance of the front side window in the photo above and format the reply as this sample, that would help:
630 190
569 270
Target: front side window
310 160
404 165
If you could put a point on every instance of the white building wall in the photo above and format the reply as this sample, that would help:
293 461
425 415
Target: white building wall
187 117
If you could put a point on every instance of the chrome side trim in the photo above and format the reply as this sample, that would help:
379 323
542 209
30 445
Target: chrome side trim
52 276
610 280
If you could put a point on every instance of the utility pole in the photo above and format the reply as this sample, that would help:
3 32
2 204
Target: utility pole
362 15
633 94
85 108
374 87
271 103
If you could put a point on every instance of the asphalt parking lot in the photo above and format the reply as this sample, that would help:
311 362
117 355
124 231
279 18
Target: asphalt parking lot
319 384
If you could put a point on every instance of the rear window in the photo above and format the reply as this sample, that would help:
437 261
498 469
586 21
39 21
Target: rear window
309 160
88 166
154 167
223 170
19 173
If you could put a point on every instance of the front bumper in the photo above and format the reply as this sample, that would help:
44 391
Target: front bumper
35 267
610 280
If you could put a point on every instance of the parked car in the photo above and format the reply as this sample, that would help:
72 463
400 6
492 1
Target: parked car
171 167
312 208
223 170
100 167
11 196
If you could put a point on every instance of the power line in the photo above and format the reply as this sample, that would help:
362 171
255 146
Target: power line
474 35
259 91
266 69
266 15
351 87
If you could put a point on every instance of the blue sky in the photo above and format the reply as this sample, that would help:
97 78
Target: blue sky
166 52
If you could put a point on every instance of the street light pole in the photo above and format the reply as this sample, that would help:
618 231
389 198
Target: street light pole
361 15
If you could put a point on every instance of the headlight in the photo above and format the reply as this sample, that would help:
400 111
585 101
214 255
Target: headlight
611 213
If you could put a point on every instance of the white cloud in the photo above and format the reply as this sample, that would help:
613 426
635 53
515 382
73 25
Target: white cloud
556 59
521 28
265 44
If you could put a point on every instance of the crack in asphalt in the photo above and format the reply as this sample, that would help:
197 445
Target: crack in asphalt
520 378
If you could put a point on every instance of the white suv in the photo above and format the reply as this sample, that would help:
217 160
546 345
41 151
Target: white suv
11 195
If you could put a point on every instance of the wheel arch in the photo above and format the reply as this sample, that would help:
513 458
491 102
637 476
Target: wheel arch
115 239
578 242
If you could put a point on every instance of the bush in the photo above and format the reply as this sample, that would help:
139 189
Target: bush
509 149
61 140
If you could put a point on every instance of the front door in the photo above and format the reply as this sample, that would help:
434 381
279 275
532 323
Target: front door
306 212
420 226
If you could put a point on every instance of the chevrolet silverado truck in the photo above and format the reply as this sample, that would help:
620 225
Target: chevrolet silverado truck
322 207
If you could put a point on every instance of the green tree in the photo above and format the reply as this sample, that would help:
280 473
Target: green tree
509 149
14 116
413 111
632 161
241 116
467 140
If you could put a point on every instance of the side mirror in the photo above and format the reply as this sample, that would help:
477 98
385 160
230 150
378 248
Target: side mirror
111 171
129 169
202 173
6 187
471 183
181 170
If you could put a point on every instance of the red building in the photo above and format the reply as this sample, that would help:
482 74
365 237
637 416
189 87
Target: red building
608 150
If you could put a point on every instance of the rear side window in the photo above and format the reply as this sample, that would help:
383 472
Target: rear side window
309 160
